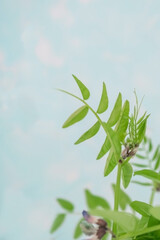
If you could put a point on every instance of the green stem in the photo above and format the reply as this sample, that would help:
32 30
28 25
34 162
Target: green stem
147 230
116 195
152 196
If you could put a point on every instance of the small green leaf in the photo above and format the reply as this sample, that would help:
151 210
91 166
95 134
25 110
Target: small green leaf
57 222
111 163
67 205
124 199
142 129
78 115
150 146
115 114
84 90
90 133
114 141
127 172
122 123
141 118
94 201
140 165
142 183
156 153
150 174
157 162
126 221
104 149
140 156
103 105
78 231
155 212
142 208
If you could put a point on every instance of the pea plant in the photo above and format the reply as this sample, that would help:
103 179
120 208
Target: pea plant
125 139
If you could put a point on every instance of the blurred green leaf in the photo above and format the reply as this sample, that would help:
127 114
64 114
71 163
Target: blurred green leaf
124 199
90 133
103 105
115 114
156 153
125 220
104 149
142 183
57 222
122 123
155 212
140 156
67 205
94 201
84 90
142 208
150 174
127 172
157 162
140 165
150 147
78 231
78 115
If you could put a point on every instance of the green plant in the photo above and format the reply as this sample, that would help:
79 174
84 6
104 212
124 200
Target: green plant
125 139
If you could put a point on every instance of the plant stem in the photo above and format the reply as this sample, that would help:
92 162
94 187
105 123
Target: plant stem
152 196
116 195
147 230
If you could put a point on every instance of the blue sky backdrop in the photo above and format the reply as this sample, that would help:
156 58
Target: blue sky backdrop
41 44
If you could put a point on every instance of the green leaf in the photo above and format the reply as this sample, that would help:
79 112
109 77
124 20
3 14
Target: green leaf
84 90
156 153
150 146
140 156
157 162
140 165
78 231
104 149
142 208
141 118
126 221
90 133
142 223
111 163
124 199
150 174
67 205
142 183
103 105
115 114
94 201
114 141
57 222
122 123
78 115
142 129
127 172
155 212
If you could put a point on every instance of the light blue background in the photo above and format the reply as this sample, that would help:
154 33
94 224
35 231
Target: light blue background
41 44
